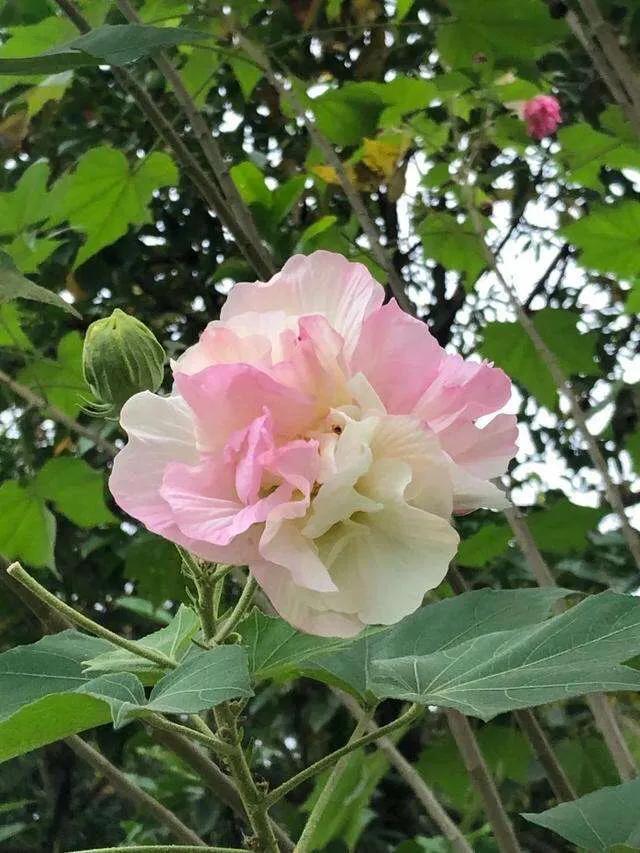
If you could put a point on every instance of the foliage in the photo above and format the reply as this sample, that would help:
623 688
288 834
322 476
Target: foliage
98 212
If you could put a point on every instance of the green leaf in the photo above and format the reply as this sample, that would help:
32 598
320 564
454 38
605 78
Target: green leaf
456 246
28 252
564 526
11 334
38 700
110 44
597 821
27 203
174 640
33 39
250 183
495 30
155 565
348 114
52 88
510 348
489 542
76 490
403 7
575 653
318 227
276 650
103 196
585 150
284 197
13 285
632 446
199 74
247 74
61 381
203 679
609 238
27 527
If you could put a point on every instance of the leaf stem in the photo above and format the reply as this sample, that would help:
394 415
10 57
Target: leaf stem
238 612
162 848
157 721
306 841
403 720
19 574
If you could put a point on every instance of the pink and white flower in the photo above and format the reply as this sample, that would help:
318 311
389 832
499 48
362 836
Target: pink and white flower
542 115
323 439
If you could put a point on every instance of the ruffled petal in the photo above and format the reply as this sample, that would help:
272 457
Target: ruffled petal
322 283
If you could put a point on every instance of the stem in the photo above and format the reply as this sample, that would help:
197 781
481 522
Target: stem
607 723
208 144
217 781
57 414
210 740
253 799
126 788
238 612
558 779
16 572
403 720
305 842
525 540
162 848
481 777
414 780
396 283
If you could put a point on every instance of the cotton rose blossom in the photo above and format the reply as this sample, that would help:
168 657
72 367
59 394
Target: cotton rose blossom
542 115
323 439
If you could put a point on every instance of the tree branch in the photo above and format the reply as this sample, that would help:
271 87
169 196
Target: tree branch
128 791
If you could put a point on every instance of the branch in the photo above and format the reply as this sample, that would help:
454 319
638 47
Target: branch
558 779
481 777
396 284
217 781
57 414
204 185
208 144
414 780
131 792
163 848
404 720
243 603
16 572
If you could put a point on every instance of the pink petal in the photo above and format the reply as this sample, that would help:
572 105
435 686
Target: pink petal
322 283
483 452
227 397
220 345
244 450
399 357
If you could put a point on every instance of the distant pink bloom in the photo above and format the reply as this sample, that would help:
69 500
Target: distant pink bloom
323 439
542 116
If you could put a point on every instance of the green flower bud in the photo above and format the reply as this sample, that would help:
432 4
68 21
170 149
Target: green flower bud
121 356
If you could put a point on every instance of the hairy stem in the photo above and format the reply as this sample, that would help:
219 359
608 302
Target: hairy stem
210 740
16 572
243 604
410 716
131 792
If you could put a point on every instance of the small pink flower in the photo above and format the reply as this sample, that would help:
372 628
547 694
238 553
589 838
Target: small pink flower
323 439
542 116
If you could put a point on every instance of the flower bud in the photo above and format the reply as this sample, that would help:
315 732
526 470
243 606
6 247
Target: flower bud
121 356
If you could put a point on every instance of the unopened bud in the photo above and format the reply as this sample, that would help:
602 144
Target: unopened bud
121 357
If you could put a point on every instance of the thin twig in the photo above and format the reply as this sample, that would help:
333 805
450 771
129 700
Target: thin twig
483 782
156 721
401 722
558 779
57 414
208 144
131 792
396 283
414 780
242 605
162 848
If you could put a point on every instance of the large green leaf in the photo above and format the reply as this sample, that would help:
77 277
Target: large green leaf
564 526
39 702
103 196
26 204
597 821
13 285
585 150
348 114
27 527
577 652
110 44
76 489
609 238
507 345
276 650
